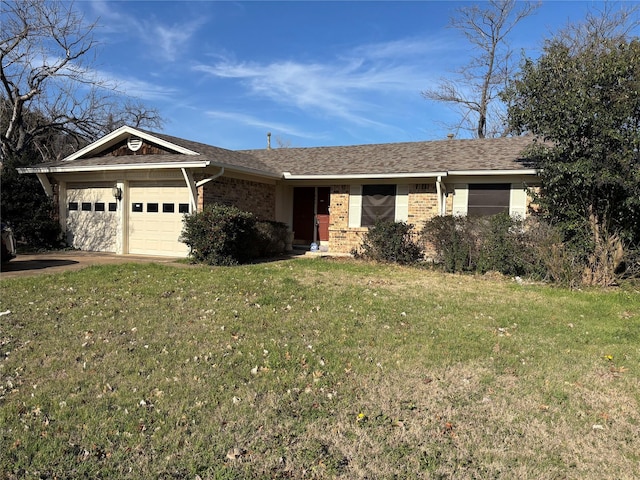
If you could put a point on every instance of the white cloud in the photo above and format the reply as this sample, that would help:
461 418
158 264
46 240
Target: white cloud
353 86
167 41
348 89
249 120
133 87
171 40
414 49
143 90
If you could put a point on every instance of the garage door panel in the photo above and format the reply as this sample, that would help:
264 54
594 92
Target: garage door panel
155 220
92 220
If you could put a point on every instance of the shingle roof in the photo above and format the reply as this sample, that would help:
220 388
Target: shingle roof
376 159
219 156
216 155
400 158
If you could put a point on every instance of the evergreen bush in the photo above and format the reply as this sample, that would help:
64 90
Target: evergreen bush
272 237
220 235
502 245
225 235
451 242
390 242
495 243
26 208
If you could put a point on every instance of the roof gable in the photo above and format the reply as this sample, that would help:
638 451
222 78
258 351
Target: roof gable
120 137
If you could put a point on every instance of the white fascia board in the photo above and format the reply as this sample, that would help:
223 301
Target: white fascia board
99 168
363 176
249 171
121 132
484 173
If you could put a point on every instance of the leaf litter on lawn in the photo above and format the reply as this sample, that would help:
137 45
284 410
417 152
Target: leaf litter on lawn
151 371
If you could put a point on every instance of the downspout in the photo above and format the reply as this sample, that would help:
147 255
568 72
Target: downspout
193 186
439 194
206 180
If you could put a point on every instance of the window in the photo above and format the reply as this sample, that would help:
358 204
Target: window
136 207
488 199
73 206
113 207
378 202
86 206
168 207
99 207
370 202
183 208
152 208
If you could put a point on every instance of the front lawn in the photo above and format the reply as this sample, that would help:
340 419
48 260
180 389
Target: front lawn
313 368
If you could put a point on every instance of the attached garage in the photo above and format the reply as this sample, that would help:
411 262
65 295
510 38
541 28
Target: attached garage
155 218
92 217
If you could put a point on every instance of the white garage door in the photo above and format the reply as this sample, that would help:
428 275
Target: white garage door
92 218
155 219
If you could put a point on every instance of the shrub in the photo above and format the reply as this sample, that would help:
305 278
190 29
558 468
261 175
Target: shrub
272 237
482 244
26 208
503 245
220 235
450 239
550 258
630 267
226 235
388 241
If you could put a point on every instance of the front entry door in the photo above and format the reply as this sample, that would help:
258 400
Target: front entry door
310 206
322 213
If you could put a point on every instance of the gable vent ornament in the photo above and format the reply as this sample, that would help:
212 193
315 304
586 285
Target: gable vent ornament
134 143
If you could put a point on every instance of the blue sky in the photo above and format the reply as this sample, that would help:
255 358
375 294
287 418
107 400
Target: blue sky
311 73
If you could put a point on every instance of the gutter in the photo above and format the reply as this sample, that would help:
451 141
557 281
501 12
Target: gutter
528 171
207 180
113 168
289 176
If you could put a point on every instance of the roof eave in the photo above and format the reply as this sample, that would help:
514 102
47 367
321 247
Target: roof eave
96 168
248 171
524 171
363 176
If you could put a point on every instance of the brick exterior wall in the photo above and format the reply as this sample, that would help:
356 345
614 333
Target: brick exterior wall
257 198
342 239
423 205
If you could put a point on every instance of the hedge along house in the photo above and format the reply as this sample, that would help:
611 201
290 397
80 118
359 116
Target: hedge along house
128 192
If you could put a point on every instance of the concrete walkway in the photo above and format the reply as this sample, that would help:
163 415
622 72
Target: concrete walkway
54 262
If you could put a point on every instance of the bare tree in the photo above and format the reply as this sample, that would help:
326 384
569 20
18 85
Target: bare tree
475 93
602 26
49 96
282 142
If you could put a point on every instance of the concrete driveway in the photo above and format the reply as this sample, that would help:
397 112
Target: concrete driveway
54 262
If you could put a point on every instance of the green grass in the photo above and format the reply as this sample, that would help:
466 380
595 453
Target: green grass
315 369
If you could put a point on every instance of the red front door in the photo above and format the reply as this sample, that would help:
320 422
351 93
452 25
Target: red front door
322 209
310 207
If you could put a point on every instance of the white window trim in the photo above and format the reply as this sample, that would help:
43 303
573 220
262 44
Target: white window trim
517 200
402 203
460 199
355 205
